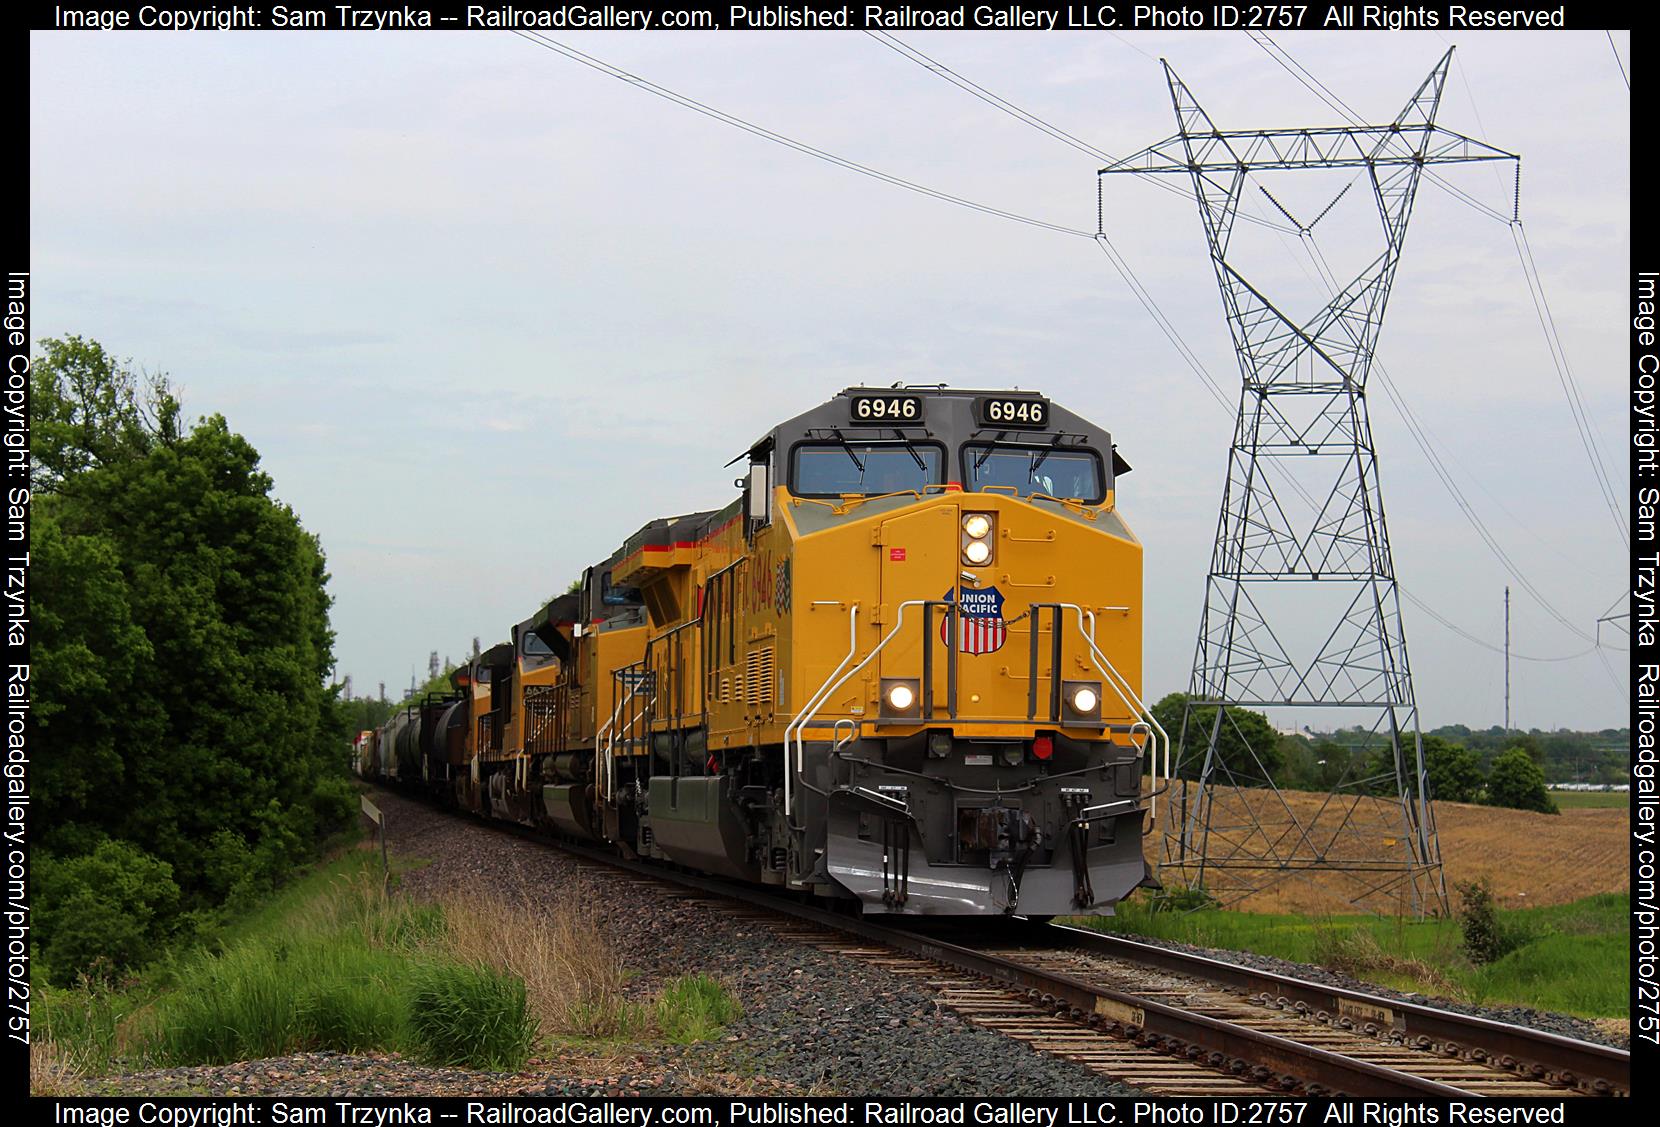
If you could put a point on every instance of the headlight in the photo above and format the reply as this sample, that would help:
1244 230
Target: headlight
899 700
979 529
1082 700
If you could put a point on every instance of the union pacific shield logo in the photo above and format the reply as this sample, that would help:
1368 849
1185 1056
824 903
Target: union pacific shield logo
984 630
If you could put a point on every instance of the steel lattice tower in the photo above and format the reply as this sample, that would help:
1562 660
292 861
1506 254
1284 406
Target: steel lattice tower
1302 506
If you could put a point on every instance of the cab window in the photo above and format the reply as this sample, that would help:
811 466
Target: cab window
614 596
1072 474
830 469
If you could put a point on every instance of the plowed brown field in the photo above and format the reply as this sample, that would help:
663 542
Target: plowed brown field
1529 859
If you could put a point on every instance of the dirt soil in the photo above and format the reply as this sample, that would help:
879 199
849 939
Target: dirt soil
1528 858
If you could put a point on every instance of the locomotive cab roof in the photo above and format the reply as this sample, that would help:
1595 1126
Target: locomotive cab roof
940 415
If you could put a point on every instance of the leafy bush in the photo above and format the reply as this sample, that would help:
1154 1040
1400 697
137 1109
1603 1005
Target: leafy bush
472 1016
103 913
1486 939
1183 898
695 1008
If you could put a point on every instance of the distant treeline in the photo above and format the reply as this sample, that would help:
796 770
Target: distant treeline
190 748
1492 766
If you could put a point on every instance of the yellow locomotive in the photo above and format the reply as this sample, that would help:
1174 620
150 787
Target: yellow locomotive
903 667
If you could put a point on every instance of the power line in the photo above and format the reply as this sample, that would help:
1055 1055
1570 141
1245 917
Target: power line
1113 255
1325 93
1483 643
1541 306
894 43
1003 105
1624 77
1564 371
1565 376
1168 327
788 142
1415 427
1421 438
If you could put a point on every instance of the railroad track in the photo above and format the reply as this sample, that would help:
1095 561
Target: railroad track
1167 1022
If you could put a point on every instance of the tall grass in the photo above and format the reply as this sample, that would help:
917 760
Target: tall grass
53 1071
338 962
695 1008
470 1015
573 977
1573 957
262 999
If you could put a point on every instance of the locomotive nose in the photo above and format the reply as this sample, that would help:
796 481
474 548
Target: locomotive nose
970 585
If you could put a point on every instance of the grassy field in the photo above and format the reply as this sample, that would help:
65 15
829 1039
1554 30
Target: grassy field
1590 799
337 961
1573 958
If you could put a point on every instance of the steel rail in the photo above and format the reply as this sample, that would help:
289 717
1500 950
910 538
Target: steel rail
1265 1057
1599 1069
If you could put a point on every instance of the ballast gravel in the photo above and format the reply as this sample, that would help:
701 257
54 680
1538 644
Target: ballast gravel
813 1023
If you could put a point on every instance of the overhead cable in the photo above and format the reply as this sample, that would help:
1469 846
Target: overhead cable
788 142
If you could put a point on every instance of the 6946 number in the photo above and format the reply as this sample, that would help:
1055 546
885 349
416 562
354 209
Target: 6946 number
889 408
1014 412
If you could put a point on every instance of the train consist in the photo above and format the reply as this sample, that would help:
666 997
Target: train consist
902 669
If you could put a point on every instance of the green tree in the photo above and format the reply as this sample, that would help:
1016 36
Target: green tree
182 643
1247 743
1517 782
87 409
1454 771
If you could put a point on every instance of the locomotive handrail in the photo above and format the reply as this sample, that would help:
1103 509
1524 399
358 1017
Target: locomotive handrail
1131 698
807 714
793 763
603 754
812 704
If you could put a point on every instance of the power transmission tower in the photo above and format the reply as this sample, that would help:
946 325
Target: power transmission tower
1301 605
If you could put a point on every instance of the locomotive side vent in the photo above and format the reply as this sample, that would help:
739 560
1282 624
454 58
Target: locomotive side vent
758 677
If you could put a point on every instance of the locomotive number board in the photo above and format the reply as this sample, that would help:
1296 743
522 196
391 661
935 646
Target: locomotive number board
878 408
1011 411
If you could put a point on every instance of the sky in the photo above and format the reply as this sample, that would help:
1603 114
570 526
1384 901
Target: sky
485 311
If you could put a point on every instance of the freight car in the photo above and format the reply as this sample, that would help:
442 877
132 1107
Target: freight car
901 669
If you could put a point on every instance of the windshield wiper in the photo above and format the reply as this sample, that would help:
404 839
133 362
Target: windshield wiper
990 449
911 450
1053 446
847 447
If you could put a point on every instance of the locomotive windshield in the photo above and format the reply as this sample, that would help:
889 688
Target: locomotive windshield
829 469
1073 474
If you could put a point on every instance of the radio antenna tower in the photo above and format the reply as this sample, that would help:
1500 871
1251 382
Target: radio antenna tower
1301 604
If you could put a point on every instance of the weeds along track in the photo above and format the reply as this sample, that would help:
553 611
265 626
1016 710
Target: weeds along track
1167 1022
